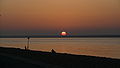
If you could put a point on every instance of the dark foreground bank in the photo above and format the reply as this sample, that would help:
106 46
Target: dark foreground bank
19 58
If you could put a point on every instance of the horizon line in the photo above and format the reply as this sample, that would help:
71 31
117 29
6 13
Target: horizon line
57 36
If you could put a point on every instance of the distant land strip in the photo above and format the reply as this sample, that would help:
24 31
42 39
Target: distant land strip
43 36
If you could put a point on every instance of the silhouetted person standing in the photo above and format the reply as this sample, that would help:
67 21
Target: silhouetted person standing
25 48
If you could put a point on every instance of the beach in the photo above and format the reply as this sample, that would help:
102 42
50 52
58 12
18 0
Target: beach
20 57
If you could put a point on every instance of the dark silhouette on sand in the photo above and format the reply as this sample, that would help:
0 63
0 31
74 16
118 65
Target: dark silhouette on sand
53 51
62 60
25 48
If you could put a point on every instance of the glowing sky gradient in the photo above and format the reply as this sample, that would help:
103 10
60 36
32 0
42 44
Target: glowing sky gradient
49 17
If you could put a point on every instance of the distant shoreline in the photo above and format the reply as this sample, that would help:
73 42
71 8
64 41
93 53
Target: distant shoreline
95 36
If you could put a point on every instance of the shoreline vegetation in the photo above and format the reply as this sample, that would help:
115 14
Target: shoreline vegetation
20 58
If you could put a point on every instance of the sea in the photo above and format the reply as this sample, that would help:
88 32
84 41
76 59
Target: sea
103 47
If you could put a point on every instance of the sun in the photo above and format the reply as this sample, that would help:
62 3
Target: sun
63 33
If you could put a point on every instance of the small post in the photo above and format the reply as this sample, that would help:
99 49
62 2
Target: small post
28 42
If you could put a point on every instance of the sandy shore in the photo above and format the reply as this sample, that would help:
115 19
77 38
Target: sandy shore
19 58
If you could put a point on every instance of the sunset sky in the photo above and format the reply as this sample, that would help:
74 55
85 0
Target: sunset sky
49 17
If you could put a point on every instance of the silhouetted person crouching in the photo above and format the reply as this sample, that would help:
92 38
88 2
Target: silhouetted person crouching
53 51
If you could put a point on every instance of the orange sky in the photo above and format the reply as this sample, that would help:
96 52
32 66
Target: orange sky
57 15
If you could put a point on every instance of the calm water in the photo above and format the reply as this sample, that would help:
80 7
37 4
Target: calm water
105 47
